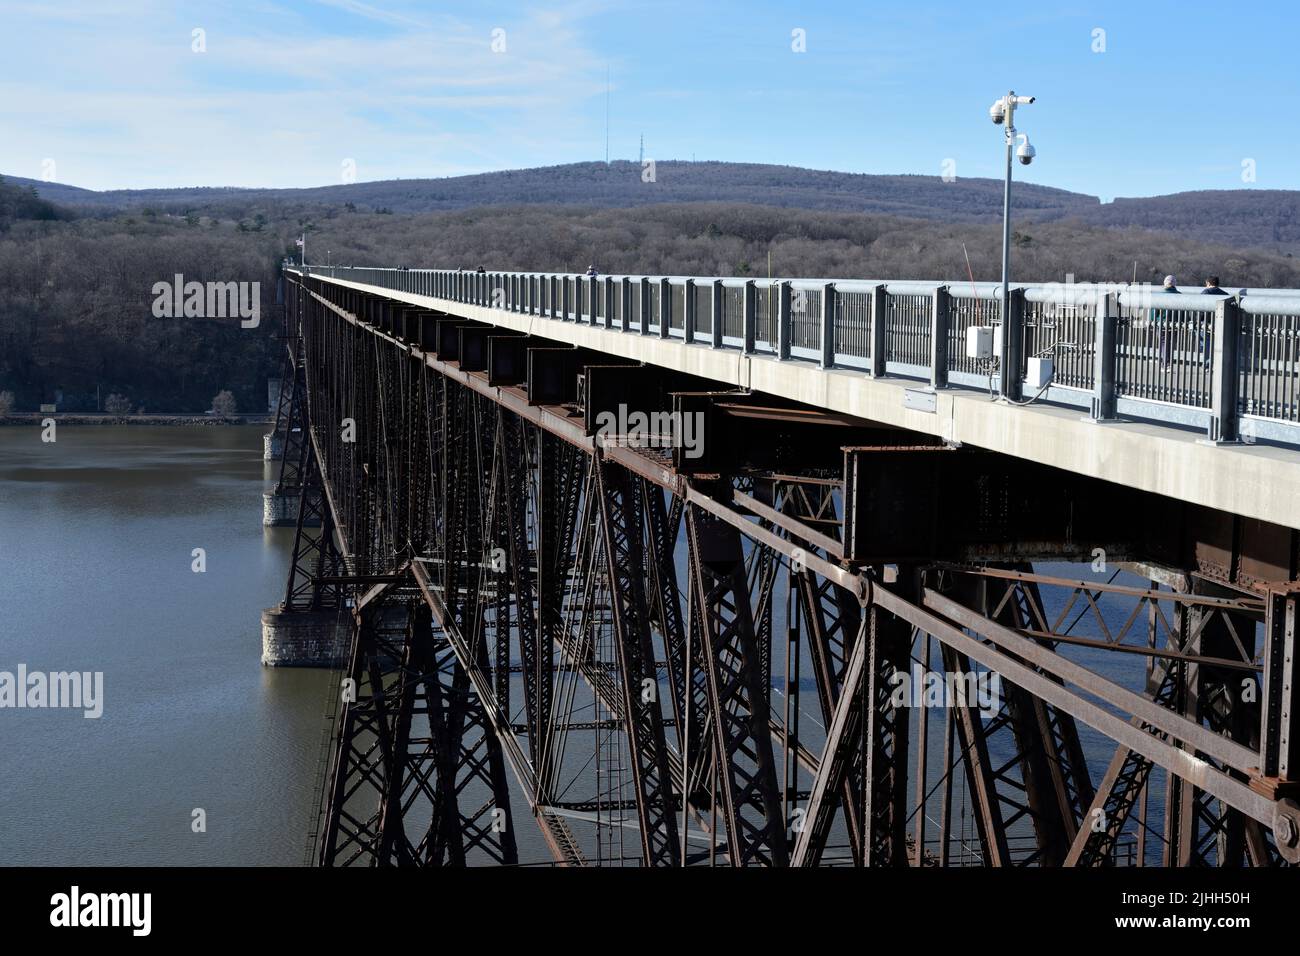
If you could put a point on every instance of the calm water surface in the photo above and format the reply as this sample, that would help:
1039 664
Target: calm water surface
96 535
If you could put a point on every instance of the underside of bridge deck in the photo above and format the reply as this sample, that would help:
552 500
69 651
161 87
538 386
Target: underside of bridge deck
681 623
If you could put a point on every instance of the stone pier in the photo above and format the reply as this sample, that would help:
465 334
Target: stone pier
305 638
280 508
273 446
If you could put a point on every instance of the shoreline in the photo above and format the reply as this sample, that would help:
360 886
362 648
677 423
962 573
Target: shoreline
93 418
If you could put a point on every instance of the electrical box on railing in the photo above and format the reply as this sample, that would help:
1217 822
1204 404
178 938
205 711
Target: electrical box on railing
979 342
1038 372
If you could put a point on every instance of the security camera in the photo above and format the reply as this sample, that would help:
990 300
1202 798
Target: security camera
1025 100
998 111
1025 152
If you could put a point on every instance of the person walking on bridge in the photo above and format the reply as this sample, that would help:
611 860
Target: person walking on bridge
1211 288
1162 321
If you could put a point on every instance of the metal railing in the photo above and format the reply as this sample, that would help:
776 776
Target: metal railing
1229 364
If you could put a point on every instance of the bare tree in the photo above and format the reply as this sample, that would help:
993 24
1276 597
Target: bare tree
6 404
117 404
224 404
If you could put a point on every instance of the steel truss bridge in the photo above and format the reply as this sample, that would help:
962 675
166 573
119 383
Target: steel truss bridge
673 659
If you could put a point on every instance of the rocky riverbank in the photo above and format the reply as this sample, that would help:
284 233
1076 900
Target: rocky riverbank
83 418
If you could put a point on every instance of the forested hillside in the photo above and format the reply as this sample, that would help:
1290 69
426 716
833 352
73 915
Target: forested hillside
619 184
1245 217
76 316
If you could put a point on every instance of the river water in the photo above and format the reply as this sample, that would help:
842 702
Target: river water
97 537
97 533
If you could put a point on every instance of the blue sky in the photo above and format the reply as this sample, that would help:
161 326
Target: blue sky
110 94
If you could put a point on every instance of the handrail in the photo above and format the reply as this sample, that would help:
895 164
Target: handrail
1227 364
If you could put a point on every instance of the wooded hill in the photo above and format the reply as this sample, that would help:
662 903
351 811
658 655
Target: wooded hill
1245 217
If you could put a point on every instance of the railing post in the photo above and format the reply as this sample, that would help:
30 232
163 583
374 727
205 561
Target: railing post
665 307
940 320
643 290
1225 415
593 300
829 303
879 328
1103 360
783 323
624 303
1013 334
715 304
688 312
748 319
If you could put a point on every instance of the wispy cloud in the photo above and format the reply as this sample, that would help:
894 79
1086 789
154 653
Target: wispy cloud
373 13
277 99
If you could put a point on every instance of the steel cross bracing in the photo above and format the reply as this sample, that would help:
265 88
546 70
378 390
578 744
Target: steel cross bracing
625 633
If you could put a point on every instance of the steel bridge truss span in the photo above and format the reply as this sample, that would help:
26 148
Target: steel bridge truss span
685 660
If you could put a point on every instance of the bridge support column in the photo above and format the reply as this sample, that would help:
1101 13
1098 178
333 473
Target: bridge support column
280 508
304 638
273 446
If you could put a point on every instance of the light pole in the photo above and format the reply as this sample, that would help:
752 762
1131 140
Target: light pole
1003 111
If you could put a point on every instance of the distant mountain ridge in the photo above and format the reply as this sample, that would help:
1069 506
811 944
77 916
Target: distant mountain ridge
1262 218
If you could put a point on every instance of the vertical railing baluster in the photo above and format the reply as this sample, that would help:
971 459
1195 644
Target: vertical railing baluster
665 307
1013 335
940 317
1224 414
688 311
747 317
828 325
717 312
1105 360
879 325
783 322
